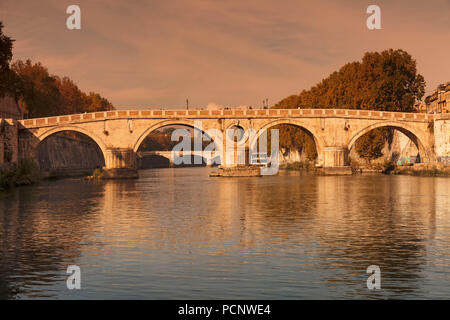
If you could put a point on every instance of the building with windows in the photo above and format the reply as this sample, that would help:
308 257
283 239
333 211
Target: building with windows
439 100
420 107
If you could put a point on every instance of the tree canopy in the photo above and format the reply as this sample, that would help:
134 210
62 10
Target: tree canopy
46 95
43 94
384 81
5 49
6 76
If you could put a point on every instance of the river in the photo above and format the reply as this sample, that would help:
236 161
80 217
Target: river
179 234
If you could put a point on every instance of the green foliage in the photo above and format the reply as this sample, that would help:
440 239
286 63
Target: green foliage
7 78
95 102
292 138
295 138
384 81
43 94
26 172
428 171
5 50
97 174
46 95
291 102
371 144
388 166
305 165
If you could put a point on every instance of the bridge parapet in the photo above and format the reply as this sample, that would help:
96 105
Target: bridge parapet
234 113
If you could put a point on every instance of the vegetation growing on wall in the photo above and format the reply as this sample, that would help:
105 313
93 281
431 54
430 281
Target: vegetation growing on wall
23 173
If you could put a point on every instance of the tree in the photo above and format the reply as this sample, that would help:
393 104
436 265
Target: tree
371 144
48 95
5 49
41 93
73 99
384 81
295 138
39 89
7 78
95 102
291 102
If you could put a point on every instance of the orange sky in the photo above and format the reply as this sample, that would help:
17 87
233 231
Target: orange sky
142 54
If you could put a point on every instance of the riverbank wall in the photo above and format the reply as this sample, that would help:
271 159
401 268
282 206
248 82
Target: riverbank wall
58 156
68 154
426 170
14 171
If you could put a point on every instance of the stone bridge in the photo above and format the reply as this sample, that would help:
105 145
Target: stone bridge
334 131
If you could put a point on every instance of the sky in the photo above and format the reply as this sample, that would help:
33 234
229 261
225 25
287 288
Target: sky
156 54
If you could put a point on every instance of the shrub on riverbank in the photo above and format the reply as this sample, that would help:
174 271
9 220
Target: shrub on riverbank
388 167
97 175
303 165
24 173
424 171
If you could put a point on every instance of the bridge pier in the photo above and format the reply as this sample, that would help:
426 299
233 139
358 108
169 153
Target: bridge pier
335 156
120 164
335 161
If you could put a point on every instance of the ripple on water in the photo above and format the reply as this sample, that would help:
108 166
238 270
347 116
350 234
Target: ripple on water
178 234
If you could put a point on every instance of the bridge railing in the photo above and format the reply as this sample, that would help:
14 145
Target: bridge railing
230 113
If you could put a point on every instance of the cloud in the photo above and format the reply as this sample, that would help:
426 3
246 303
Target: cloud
158 53
136 95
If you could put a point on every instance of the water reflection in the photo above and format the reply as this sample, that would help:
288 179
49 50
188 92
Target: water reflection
380 221
176 233
40 229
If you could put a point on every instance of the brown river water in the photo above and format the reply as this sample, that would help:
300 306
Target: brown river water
179 234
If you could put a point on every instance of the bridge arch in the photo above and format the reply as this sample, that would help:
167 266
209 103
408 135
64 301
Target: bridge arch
318 141
407 130
41 152
91 135
165 123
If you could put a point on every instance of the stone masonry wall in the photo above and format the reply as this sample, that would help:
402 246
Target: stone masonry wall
8 141
442 138
61 151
